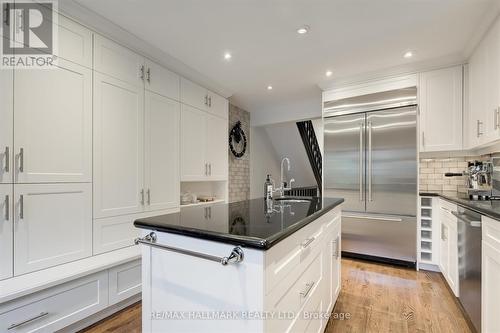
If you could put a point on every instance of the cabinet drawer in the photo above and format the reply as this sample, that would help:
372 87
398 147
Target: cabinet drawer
55 308
303 294
114 233
491 232
124 281
447 207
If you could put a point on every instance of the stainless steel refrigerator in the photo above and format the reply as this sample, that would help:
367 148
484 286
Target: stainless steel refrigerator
371 161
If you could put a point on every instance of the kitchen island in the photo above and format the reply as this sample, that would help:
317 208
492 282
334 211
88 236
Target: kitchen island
249 266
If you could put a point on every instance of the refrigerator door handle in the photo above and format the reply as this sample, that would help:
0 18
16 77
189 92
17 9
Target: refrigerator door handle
370 198
361 162
374 217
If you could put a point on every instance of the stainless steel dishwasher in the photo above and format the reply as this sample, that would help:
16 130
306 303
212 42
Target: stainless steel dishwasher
469 263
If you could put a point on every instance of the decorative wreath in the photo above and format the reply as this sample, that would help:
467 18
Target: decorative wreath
237 140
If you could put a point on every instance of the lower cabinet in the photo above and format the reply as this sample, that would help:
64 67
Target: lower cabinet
6 232
124 281
490 275
448 249
56 308
332 264
52 225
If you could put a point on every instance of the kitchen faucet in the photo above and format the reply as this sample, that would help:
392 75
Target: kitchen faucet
283 187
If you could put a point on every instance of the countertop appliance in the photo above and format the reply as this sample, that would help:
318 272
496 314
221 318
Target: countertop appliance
371 161
469 263
478 179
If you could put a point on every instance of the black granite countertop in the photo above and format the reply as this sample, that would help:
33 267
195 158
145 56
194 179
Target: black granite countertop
490 208
247 223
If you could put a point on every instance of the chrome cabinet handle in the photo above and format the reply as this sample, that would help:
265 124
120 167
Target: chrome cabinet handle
423 139
210 101
21 160
308 289
370 161
206 213
148 75
479 124
308 242
41 315
338 247
209 169
206 169
142 73
7 159
7 212
21 206
149 196
209 213
206 100
361 162
443 233
142 197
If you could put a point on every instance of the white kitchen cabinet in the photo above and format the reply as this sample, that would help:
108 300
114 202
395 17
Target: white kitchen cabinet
55 308
193 144
162 124
117 61
53 124
74 42
440 102
53 225
490 275
483 118
448 249
332 263
216 147
194 95
218 105
162 81
6 231
6 125
203 99
203 146
118 147
124 281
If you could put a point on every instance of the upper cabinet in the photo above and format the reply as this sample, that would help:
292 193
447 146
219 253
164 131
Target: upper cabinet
203 99
483 113
440 103
162 81
6 125
53 124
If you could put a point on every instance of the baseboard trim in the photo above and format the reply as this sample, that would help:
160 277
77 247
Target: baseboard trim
390 261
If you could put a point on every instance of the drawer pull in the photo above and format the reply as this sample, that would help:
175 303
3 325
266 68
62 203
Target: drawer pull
41 315
308 242
308 289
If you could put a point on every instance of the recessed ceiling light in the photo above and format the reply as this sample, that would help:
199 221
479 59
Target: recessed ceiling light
303 30
408 54
227 56
269 87
328 73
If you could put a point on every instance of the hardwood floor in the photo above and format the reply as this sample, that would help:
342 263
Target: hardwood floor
377 298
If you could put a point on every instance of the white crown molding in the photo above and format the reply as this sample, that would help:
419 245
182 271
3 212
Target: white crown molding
103 26
481 30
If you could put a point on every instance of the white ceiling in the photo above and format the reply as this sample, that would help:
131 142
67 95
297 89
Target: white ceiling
349 37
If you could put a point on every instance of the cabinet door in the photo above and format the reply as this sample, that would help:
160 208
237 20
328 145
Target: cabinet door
332 266
117 61
492 100
477 97
490 320
194 95
6 241
162 81
118 147
444 249
162 152
217 147
218 105
193 136
453 257
53 225
440 100
6 125
53 125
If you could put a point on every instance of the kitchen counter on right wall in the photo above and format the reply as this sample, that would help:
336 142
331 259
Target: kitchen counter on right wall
483 207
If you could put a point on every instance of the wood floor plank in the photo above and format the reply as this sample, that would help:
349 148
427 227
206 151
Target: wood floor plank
379 298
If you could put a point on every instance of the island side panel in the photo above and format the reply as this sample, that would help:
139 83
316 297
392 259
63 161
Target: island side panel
182 292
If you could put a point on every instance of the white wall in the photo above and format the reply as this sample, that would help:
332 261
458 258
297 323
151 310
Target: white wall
263 161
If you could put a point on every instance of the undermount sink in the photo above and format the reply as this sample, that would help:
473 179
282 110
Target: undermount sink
292 200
